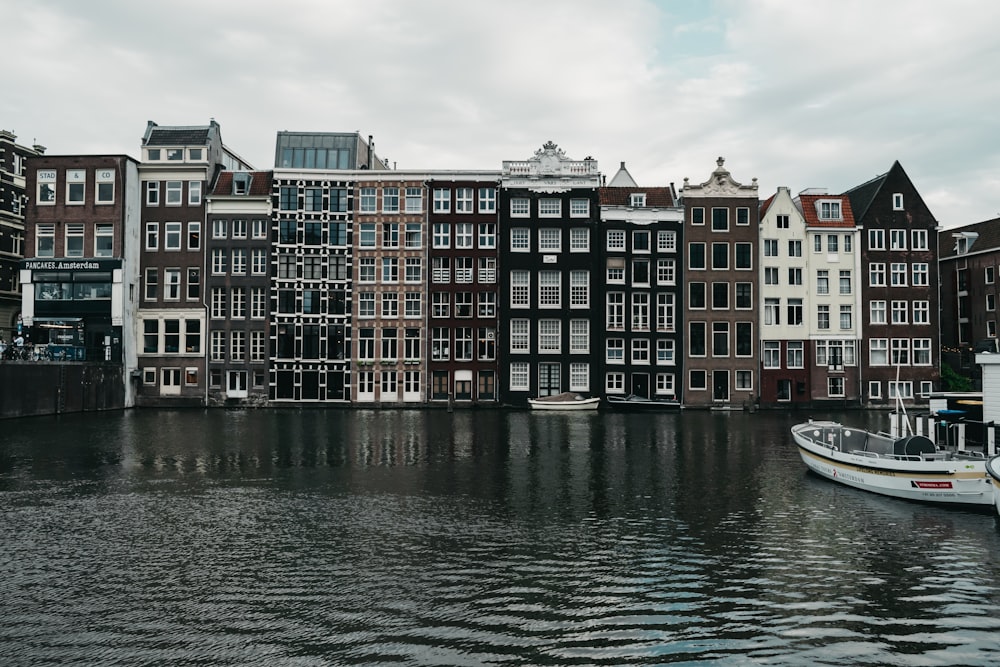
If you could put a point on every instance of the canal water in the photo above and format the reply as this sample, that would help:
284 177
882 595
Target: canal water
345 537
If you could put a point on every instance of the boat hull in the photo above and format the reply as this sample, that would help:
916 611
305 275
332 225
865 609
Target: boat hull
584 404
993 468
941 479
642 404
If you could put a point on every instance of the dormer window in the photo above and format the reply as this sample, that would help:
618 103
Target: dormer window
829 210
175 154
241 183
897 201
637 199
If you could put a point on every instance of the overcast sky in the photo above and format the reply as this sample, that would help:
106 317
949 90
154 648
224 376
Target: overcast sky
798 93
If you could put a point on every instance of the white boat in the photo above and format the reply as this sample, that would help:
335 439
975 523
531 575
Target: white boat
633 402
910 467
564 401
993 468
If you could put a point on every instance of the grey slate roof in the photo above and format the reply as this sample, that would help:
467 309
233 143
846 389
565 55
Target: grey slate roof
181 136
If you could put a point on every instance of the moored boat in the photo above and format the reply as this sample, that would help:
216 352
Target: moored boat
993 468
565 401
910 467
633 402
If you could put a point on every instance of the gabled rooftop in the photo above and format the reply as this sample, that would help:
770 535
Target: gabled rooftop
256 183
812 208
189 135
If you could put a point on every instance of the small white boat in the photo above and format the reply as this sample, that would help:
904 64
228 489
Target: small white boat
633 402
565 401
993 468
910 467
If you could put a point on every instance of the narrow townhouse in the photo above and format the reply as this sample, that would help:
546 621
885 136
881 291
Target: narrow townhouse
312 252
463 305
786 298
640 242
835 316
390 256
721 356
968 265
900 348
178 166
13 199
549 212
237 287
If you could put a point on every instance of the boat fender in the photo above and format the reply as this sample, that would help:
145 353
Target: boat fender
913 445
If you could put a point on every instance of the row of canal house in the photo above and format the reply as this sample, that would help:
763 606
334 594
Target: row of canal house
332 279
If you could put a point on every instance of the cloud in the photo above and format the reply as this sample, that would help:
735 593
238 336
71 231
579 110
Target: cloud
800 94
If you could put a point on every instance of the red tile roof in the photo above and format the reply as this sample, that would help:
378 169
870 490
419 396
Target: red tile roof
811 215
260 183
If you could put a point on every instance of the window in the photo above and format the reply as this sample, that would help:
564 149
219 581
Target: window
366 235
900 351
744 256
921 351
413 235
549 289
696 296
239 261
520 289
640 241
152 235
665 353
579 208
549 240
742 216
579 239
258 303
441 269
920 274
845 317
175 190
152 193
45 240
487 304
219 261
258 262
616 269
193 283
697 216
877 312
487 235
314 199
829 210
368 200
878 352
104 240
519 376
76 184
616 239
794 276
194 193
390 270
519 335
795 248
795 312
720 296
413 305
897 201
823 316
549 208
899 310
835 387
918 239
720 339
845 282
171 284
770 275
696 339
442 200
770 247
520 240
988 275
151 284
414 200
390 200
172 232
720 219
74 239
666 272
900 389
744 296
366 304
338 200
822 281
413 270
46 186
549 336
772 311
876 274
745 340
796 357
640 311
720 256
698 380
696 256
487 200
579 289
640 351
782 221
832 243
876 239
239 303
615 351
616 311
194 235
772 354
897 239
817 243
519 207
463 200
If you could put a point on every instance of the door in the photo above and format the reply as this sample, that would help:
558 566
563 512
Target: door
170 382
236 384
548 380
640 384
720 385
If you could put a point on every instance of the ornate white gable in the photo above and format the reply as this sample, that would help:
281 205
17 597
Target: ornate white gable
721 184
549 170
